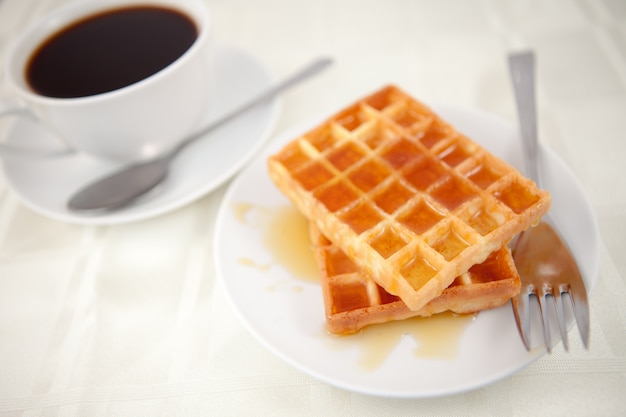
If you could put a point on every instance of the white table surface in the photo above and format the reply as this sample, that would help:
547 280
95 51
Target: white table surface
130 320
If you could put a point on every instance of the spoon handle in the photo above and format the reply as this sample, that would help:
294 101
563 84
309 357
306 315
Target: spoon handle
308 71
522 67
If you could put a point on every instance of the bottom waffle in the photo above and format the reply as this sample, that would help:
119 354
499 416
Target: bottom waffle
353 300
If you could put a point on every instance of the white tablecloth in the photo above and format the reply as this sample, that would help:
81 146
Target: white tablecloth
130 320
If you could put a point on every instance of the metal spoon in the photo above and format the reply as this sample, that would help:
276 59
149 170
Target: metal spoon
122 187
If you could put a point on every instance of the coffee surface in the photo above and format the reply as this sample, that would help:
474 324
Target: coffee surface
108 51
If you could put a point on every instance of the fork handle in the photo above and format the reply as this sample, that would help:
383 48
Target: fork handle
522 66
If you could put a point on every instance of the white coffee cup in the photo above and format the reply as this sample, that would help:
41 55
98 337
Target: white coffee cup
134 122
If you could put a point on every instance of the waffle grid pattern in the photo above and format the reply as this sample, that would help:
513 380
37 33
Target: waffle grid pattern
412 201
353 300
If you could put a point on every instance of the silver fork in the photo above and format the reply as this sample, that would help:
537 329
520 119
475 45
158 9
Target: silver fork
545 264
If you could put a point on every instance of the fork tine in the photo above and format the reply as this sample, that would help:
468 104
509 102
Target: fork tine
545 319
560 317
581 312
578 296
522 317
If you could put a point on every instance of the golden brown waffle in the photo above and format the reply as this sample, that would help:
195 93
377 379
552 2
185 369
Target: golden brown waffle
353 300
412 201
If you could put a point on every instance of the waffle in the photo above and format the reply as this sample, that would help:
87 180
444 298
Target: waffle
353 300
412 201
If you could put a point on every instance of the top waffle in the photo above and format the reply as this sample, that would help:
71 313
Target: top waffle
412 201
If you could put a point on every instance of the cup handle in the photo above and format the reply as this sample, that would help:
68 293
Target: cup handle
12 108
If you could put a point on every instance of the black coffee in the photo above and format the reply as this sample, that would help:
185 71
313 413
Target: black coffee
109 50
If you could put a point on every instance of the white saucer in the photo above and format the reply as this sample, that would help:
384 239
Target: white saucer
45 185
286 312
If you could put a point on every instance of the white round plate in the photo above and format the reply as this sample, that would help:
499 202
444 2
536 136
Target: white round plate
45 185
287 314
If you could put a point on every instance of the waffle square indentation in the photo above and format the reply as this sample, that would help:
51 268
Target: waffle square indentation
393 197
361 217
293 157
336 195
313 175
338 263
517 197
348 296
420 218
345 155
450 244
418 271
425 173
380 100
483 176
436 131
484 221
387 242
385 297
351 118
452 193
408 116
377 134
369 174
401 153
321 138
454 154
489 271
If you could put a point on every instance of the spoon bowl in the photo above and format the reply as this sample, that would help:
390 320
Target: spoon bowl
122 187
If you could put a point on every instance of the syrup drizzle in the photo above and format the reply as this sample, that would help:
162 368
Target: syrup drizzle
284 233
434 338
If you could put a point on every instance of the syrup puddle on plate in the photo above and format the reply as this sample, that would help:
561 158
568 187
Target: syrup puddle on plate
285 235
437 337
